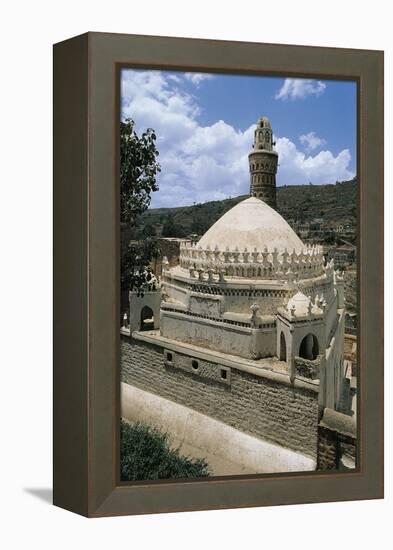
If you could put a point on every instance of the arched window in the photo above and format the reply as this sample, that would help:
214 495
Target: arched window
283 348
309 347
147 318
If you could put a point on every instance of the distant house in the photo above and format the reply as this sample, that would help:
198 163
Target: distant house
316 224
170 249
350 323
303 229
339 228
344 255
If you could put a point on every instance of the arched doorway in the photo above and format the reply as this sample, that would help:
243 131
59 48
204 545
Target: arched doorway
147 318
283 348
309 347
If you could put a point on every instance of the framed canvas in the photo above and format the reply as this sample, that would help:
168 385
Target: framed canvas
218 308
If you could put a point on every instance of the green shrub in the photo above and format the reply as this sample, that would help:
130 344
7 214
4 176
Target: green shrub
145 453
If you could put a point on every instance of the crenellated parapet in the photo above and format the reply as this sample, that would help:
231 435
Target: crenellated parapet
215 264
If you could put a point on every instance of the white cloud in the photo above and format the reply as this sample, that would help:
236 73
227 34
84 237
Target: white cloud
296 168
197 78
299 88
174 77
202 163
311 141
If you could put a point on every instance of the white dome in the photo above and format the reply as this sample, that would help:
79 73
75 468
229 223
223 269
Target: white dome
251 224
300 302
302 305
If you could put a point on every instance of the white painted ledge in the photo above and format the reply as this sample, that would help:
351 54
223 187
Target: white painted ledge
227 450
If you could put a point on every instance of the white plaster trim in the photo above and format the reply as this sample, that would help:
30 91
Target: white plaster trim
227 450
206 321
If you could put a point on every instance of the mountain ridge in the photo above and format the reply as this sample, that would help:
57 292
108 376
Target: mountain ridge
329 203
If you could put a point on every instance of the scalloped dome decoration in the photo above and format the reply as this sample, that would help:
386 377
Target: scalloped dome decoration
251 241
252 224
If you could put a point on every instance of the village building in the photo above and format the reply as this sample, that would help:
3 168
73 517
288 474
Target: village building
344 255
170 250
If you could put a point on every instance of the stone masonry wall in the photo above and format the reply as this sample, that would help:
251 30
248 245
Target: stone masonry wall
255 405
327 450
336 440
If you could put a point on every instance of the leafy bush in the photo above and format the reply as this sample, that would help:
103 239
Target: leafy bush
145 453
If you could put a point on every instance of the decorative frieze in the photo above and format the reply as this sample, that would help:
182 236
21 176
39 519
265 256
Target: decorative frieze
215 265
217 290
253 322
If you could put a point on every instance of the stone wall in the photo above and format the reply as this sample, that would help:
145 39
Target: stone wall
308 368
336 441
253 404
327 450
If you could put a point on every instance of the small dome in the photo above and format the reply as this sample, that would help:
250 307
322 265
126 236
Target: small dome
251 224
301 304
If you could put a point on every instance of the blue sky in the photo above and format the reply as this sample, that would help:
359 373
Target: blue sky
205 123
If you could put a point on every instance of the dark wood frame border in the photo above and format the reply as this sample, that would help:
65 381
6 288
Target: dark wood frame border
86 268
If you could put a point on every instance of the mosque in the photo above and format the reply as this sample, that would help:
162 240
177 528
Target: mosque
239 352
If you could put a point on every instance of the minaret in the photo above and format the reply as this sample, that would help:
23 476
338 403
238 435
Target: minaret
263 164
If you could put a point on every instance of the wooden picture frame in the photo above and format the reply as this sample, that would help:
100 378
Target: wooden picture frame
86 273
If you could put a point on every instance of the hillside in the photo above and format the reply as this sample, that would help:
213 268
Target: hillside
296 203
332 203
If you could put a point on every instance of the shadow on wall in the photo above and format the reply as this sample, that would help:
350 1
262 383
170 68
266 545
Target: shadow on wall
147 319
309 347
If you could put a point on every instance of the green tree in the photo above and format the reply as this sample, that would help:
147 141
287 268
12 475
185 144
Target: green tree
149 230
138 173
171 229
329 237
135 271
